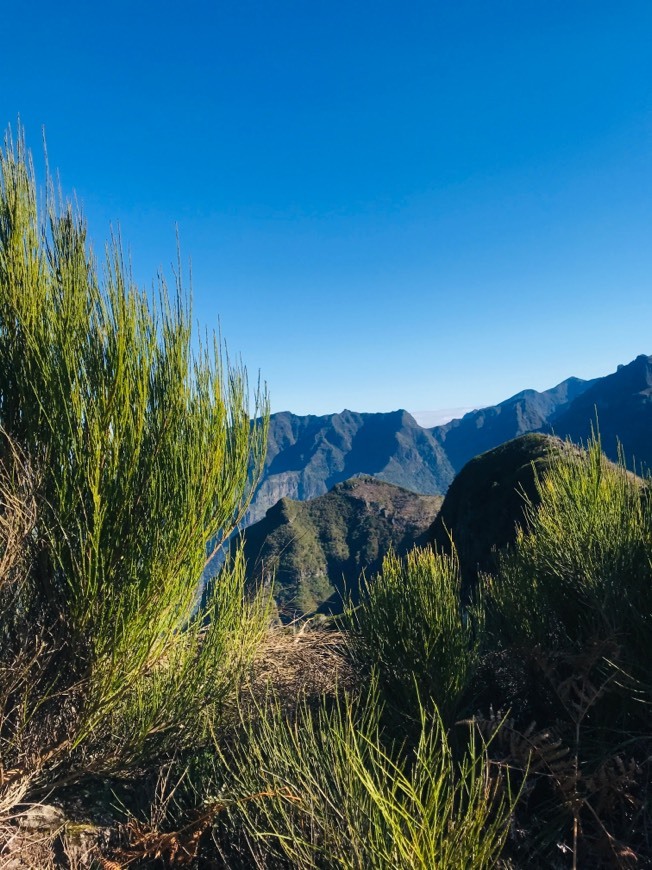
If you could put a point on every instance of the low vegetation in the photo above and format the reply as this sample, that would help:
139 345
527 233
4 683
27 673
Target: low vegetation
410 629
503 724
332 791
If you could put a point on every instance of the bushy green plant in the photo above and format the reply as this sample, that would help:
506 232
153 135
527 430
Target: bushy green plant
411 627
570 622
583 571
325 791
145 457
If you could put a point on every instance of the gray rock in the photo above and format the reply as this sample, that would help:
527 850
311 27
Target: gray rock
42 817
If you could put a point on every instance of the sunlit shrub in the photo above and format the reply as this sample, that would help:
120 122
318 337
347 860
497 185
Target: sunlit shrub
583 571
143 455
325 791
411 627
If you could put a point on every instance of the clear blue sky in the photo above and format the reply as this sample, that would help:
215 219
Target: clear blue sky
387 204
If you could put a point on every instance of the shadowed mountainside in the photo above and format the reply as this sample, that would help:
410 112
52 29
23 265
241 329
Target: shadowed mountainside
307 456
623 404
316 549
485 502
527 411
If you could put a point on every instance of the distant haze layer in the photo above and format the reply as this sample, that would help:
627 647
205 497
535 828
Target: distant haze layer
428 419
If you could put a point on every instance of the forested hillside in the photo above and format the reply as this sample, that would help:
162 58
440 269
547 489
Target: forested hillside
315 551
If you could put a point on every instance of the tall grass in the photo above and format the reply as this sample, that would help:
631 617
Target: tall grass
410 626
145 455
326 791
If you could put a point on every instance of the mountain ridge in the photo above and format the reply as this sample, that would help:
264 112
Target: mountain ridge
315 550
619 406
308 455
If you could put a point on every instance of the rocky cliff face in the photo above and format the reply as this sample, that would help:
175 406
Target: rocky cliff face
308 455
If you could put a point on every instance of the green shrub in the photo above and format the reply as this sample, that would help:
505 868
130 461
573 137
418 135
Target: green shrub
411 627
583 572
144 456
324 791
569 613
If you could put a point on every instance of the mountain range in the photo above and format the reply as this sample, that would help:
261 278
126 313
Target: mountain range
314 544
308 455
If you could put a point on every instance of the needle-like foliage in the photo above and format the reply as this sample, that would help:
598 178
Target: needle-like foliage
410 626
145 456
582 572
325 791
571 608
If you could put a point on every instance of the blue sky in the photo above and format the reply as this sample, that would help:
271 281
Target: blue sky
426 205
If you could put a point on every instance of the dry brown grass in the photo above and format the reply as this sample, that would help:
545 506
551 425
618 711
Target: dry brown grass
307 661
18 508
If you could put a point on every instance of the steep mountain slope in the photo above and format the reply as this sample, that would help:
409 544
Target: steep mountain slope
316 548
485 502
307 456
623 403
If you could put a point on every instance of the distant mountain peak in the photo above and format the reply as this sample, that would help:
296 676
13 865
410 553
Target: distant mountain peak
620 404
